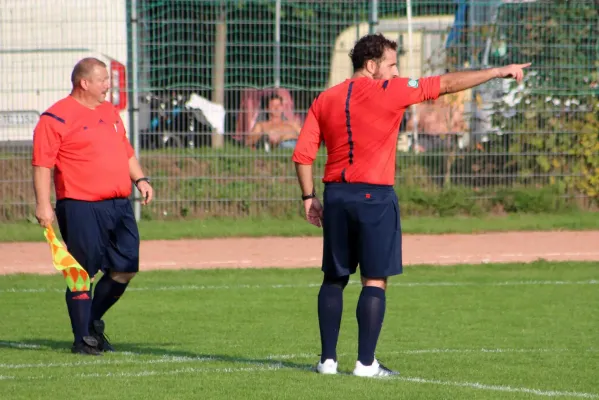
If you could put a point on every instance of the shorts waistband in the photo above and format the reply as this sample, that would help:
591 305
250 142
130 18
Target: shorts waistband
115 200
357 186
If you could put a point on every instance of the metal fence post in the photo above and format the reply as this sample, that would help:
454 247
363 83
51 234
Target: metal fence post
133 74
277 60
373 17
219 66
410 72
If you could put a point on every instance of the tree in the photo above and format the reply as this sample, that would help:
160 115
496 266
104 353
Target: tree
552 117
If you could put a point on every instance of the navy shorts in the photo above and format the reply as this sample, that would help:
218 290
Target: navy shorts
100 235
361 226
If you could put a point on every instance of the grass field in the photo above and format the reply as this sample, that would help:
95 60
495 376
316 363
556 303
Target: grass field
513 331
210 228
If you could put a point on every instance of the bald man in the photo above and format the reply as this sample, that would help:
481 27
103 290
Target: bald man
82 139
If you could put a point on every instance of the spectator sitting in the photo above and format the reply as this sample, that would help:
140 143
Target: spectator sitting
438 122
278 131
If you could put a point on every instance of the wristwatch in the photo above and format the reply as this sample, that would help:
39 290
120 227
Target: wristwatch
309 196
142 179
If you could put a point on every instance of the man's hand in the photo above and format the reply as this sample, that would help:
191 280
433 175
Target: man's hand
515 71
44 214
313 211
146 192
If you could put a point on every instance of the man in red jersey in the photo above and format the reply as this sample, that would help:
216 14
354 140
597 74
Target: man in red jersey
358 120
83 139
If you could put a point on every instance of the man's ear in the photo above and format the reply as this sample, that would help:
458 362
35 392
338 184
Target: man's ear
371 67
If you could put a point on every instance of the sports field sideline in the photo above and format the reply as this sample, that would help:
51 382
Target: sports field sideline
307 251
492 331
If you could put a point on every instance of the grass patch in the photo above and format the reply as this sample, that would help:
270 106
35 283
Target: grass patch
243 183
239 334
296 226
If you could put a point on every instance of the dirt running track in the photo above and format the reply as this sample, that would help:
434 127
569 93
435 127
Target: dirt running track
307 252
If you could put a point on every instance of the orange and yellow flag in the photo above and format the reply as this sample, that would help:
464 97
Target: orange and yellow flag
76 277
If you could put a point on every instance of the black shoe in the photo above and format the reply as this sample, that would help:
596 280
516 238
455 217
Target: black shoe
87 346
96 329
387 371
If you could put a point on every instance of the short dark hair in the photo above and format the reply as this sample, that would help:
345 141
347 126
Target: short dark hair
267 99
84 67
274 96
370 47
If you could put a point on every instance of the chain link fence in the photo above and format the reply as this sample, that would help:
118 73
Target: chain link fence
214 92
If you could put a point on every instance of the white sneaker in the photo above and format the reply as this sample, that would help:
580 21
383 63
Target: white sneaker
328 367
374 370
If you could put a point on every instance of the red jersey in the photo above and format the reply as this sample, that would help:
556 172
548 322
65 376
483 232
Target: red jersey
358 120
88 150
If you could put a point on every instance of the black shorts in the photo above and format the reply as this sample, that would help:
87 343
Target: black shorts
361 226
100 235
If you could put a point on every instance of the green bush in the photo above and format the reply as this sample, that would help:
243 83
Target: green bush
241 183
554 132
541 200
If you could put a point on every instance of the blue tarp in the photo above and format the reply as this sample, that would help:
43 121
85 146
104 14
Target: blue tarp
483 12
459 24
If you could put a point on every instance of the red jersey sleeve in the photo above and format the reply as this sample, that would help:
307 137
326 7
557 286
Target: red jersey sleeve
309 139
405 91
47 137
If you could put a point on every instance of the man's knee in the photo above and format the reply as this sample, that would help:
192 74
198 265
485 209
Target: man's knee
122 277
341 282
376 282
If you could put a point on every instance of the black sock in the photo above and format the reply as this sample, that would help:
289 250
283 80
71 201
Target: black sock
79 306
370 313
330 308
108 291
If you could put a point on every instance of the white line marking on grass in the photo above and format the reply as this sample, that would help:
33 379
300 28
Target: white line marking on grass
313 285
313 262
191 370
487 351
131 358
142 374
30 290
17 345
481 386
117 361
438 351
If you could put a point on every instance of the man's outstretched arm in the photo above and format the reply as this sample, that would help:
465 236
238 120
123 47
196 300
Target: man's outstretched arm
457 81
